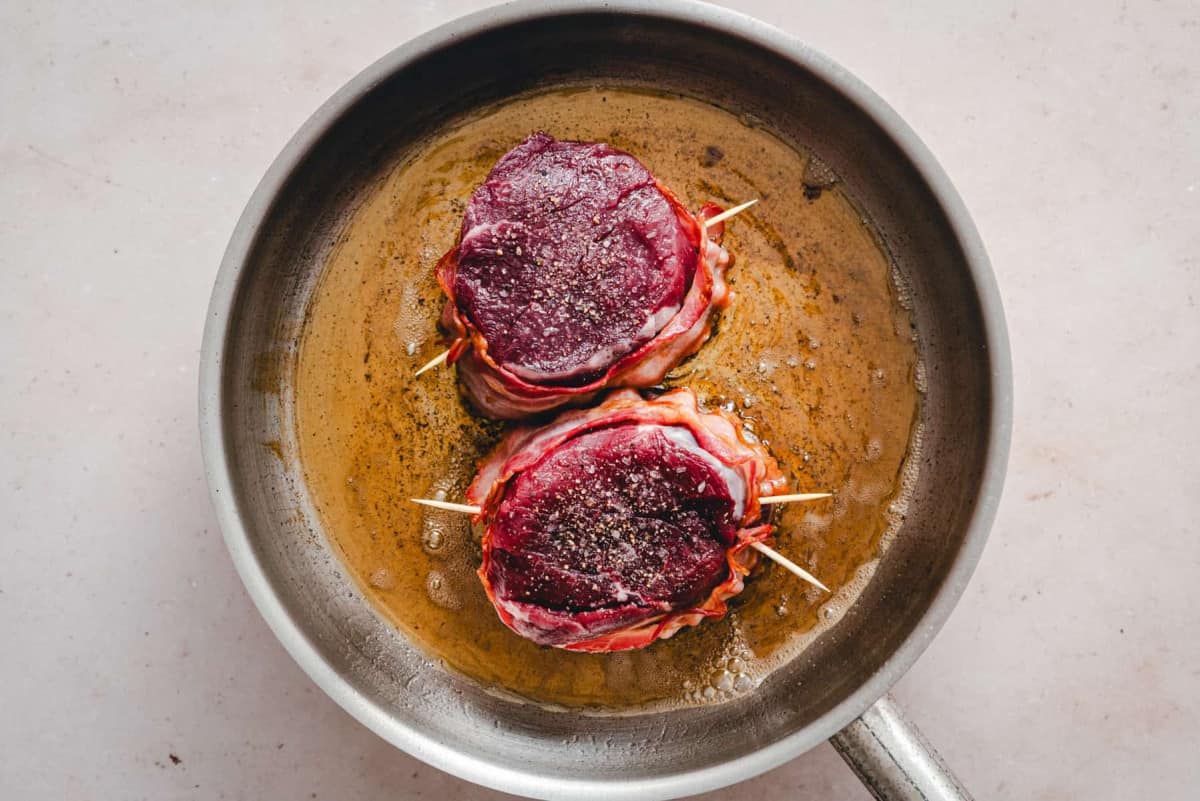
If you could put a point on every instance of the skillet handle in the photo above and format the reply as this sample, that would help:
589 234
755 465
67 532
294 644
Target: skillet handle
894 760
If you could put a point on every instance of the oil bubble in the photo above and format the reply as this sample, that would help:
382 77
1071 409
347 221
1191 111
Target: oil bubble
722 680
439 591
382 579
920 378
434 539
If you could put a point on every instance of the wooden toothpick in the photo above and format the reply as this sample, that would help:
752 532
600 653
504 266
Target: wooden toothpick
779 558
474 510
449 507
704 224
725 215
765 550
432 363
800 496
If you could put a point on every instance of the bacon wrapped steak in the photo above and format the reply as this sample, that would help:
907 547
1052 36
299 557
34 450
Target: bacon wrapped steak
575 271
615 526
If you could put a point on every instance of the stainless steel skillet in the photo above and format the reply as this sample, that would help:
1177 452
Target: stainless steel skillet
834 688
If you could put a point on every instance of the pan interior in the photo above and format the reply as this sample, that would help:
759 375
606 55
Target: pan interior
407 691
815 352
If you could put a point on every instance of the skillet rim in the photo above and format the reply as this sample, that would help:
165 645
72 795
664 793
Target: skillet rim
445 756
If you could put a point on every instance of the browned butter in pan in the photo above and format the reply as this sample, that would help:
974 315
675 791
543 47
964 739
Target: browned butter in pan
816 352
